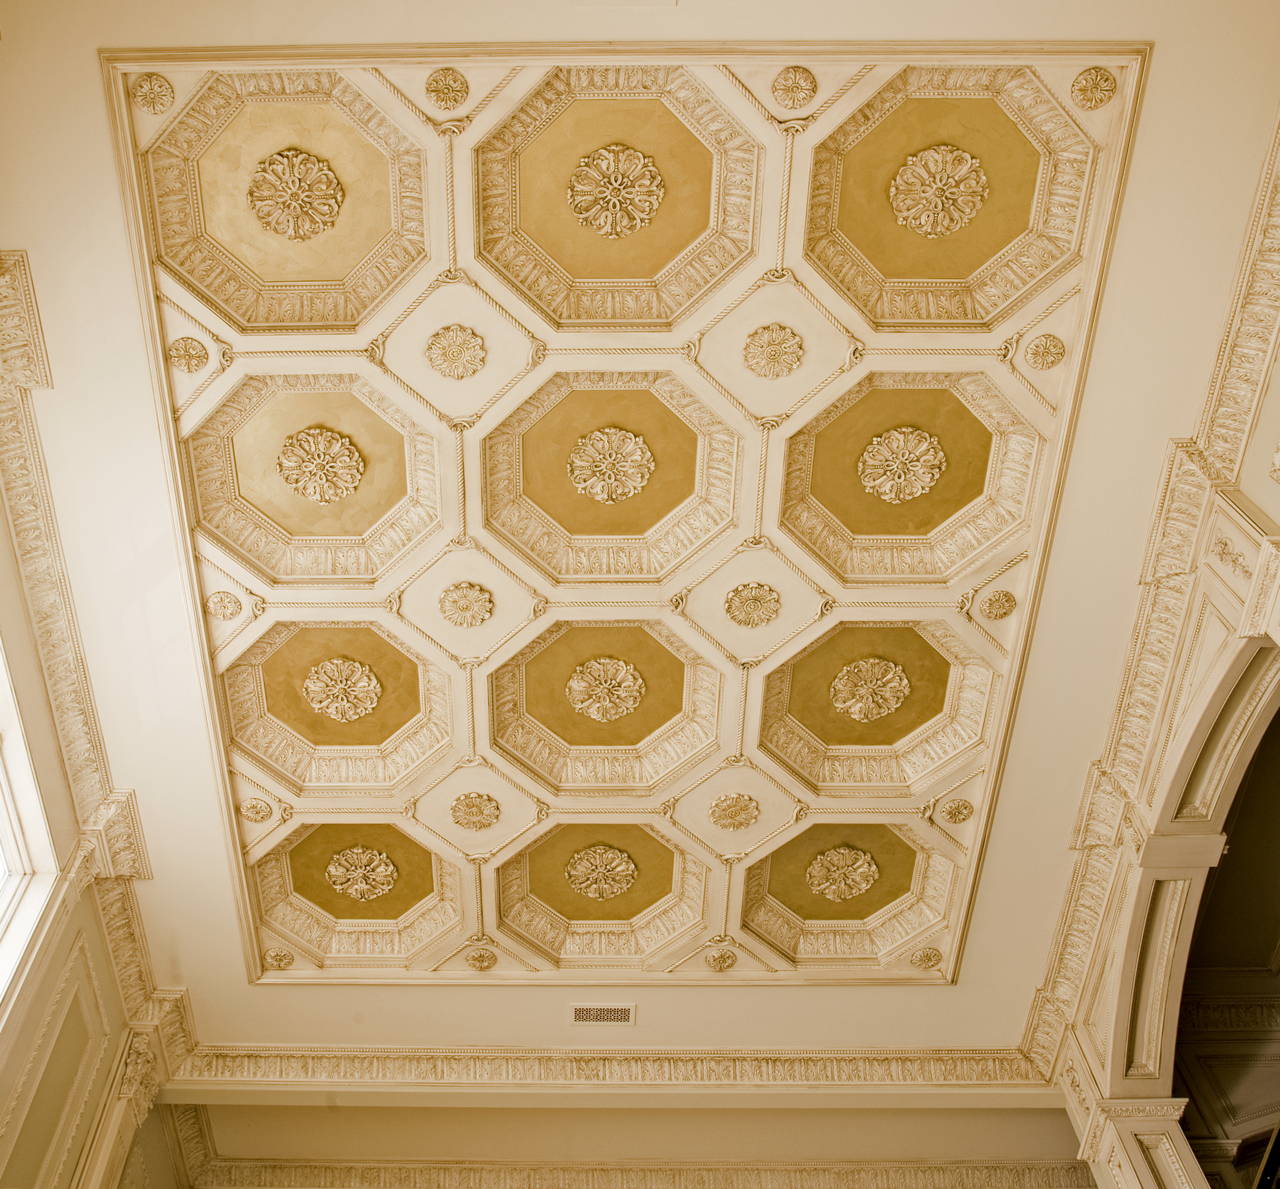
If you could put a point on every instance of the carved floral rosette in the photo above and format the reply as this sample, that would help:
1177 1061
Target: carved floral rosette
885 936
670 749
893 770
1050 245
569 557
592 944
970 534
639 304
241 527
185 246
310 767
334 943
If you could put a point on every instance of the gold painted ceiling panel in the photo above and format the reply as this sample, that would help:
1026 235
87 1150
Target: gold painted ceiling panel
620 489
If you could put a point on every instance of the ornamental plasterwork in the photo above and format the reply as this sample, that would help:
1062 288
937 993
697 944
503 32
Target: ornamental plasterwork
567 300
320 464
295 194
604 688
689 735
428 926
466 604
928 958
578 944
481 960
153 93
616 190
295 197
841 873
222 604
957 811
187 354
964 536
610 465
447 88
721 960
277 959
881 938
566 556
456 352
869 688
361 873
901 464
794 87
999 604
308 767
475 811
733 811
225 513
849 770
1044 352
255 810
773 351
752 604
938 190
600 872
342 689
1093 88
1049 245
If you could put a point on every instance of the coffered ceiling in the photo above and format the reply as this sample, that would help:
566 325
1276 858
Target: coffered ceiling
618 489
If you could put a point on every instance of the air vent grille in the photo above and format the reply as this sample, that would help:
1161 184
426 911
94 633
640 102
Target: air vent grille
604 1013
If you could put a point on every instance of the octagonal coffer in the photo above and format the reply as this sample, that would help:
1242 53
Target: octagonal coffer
847 893
313 477
286 200
605 707
357 894
336 705
876 709
616 196
910 476
949 197
600 893
602 475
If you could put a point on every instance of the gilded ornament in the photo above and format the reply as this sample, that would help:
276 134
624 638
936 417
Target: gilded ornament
928 958
255 809
222 604
343 689
901 464
187 354
773 351
1045 351
277 959
600 872
794 87
447 88
320 464
466 604
1093 88
482 960
721 960
752 604
938 190
956 811
841 873
615 190
869 689
999 604
604 688
475 811
361 873
733 811
295 194
610 464
456 351
153 93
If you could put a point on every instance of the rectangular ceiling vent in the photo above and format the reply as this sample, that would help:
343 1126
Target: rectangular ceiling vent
604 1013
